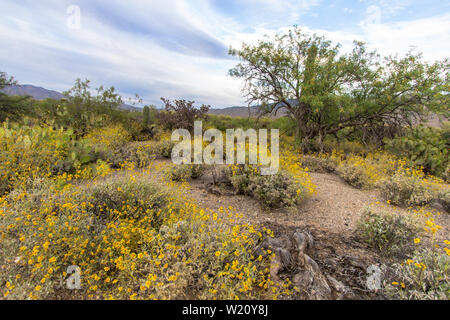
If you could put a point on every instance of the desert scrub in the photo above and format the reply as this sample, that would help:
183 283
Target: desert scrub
111 142
388 232
290 161
272 191
179 172
144 154
196 253
275 191
112 137
28 153
443 197
126 199
198 170
182 172
424 146
319 163
358 173
426 276
164 148
407 190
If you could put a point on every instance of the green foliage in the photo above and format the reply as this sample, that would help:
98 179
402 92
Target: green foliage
164 148
406 190
390 233
355 175
180 172
272 191
27 153
325 91
276 191
12 107
181 114
223 122
319 163
183 172
424 146
413 281
110 198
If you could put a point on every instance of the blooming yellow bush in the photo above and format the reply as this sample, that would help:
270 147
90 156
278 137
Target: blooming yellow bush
407 190
112 137
425 275
290 161
28 153
386 231
131 240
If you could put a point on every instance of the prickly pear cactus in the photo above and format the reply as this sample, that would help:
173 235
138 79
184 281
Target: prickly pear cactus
423 146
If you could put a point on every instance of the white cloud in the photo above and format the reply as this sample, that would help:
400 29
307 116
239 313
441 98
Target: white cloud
37 46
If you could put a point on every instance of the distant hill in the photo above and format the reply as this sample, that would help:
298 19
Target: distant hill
234 111
242 112
35 92
40 93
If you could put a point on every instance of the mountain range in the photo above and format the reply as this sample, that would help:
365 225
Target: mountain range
40 93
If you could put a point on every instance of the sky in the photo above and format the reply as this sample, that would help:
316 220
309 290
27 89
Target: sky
179 49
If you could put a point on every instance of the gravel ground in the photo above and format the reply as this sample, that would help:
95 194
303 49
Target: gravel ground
335 209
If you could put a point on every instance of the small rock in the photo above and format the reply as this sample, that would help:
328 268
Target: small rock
275 267
300 240
314 266
303 280
344 292
356 262
309 239
285 257
272 243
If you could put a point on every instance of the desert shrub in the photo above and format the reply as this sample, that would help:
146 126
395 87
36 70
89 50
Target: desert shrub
274 191
112 137
27 153
446 174
111 143
388 232
443 197
423 146
111 198
183 172
179 172
164 148
358 173
181 114
197 170
406 190
144 153
319 163
423 277
239 177
345 146
192 254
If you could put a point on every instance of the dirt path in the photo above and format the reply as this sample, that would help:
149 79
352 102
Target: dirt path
331 216
336 208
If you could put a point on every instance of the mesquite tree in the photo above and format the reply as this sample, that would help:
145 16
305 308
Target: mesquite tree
325 91
181 114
